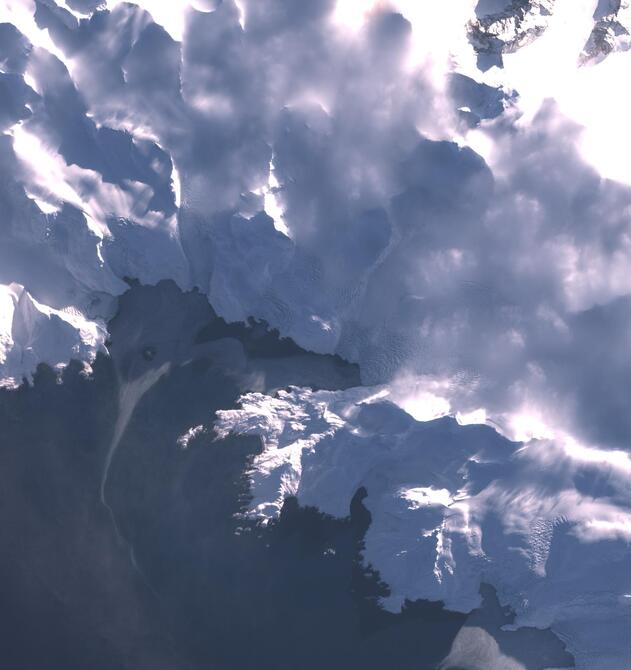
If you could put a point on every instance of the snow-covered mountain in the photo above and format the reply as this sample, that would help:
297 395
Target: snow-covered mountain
612 23
455 505
514 25
505 27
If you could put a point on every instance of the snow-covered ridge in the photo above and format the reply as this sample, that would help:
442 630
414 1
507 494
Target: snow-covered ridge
547 523
611 31
521 22
515 26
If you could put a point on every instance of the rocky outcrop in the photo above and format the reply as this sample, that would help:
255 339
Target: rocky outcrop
522 22
612 26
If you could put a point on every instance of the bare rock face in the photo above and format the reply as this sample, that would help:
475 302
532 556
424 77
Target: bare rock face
506 31
612 26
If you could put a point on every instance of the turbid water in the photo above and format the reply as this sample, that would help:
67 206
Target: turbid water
121 549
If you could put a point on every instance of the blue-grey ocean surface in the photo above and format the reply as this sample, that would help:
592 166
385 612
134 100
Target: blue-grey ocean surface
149 564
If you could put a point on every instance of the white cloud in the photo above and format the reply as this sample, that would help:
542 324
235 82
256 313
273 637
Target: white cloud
474 261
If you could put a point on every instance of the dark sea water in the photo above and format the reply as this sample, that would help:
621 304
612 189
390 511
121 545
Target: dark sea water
122 550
